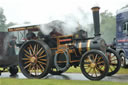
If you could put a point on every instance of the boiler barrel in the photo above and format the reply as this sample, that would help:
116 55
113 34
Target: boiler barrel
85 46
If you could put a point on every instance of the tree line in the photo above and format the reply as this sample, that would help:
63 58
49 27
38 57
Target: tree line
3 25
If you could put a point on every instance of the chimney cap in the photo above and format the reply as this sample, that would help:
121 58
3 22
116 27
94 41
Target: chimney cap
95 8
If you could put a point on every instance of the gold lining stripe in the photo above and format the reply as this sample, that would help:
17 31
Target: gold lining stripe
80 49
88 45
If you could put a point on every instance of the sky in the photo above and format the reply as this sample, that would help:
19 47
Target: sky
43 11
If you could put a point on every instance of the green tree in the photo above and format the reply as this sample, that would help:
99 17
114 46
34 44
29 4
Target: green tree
2 20
108 26
10 24
126 6
26 22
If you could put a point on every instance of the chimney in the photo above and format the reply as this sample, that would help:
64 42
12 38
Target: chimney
96 18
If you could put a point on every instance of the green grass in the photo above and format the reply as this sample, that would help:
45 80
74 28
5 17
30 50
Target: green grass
78 70
123 71
5 81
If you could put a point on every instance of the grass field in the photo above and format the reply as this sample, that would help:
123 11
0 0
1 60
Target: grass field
55 82
12 81
77 70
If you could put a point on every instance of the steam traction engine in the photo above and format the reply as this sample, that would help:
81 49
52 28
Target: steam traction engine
38 57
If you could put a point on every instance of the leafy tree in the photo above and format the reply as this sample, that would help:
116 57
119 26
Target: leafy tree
126 6
27 22
10 24
2 20
108 26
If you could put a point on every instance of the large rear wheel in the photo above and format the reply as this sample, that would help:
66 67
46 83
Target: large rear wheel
35 59
94 65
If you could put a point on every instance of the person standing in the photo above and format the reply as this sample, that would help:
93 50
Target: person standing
11 47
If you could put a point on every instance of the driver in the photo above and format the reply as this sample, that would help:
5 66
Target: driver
54 33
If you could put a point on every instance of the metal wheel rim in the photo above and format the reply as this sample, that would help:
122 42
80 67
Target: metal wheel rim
94 65
33 59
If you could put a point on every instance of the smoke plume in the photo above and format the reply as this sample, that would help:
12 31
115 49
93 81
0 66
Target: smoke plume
70 23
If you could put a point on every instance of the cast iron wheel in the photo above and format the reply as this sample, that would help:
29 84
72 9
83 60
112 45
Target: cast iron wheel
94 65
35 59
114 62
123 60
13 70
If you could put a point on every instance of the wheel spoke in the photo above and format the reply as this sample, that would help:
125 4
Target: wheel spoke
89 59
41 53
31 47
42 67
25 58
35 69
41 63
27 62
101 66
26 52
114 64
30 67
42 56
31 71
99 59
43 59
86 67
27 65
34 51
37 48
89 70
110 69
100 62
95 72
30 52
95 58
87 62
114 60
100 70
113 56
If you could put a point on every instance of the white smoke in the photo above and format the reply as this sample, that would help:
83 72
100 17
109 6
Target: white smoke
70 23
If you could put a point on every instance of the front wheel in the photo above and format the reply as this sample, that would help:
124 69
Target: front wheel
94 65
